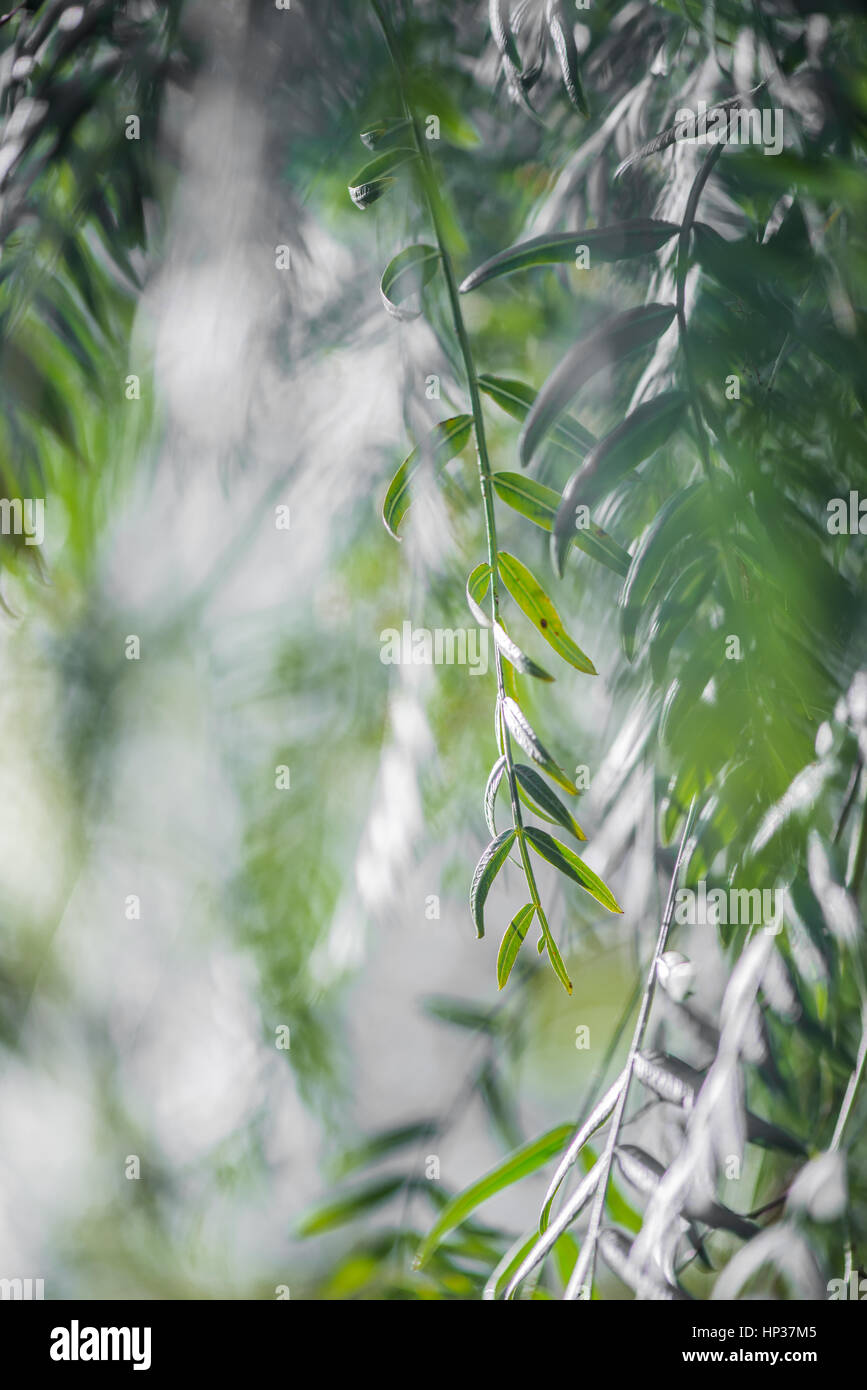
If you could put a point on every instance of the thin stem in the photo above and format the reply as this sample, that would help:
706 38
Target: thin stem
584 1270
429 186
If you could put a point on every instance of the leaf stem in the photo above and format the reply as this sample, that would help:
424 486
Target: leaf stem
431 193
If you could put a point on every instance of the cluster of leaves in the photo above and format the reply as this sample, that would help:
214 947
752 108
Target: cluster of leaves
69 77
739 619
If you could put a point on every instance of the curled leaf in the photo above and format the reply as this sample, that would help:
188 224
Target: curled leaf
370 183
477 586
406 275
444 442
493 783
486 871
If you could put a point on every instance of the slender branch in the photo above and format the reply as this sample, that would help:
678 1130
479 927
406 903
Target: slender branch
431 193
584 1269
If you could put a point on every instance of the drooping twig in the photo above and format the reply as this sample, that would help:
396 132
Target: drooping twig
582 1274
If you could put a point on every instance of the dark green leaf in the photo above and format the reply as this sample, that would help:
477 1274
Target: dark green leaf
539 504
524 735
635 438
370 183
546 803
609 343
532 599
614 243
444 442
516 398
569 864
487 869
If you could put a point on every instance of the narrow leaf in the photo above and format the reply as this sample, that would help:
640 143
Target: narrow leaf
540 504
563 39
444 442
540 798
477 587
370 183
635 438
494 780
487 869
569 864
532 599
572 1208
513 940
520 729
406 275
614 243
516 398
512 652
349 1206
519 1164
607 344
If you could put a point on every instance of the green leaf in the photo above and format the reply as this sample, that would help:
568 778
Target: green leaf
383 131
609 343
540 798
569 864
563 38
487 869
501 32
532 600
679 518
493 783
477 587
349 1206
370 183
642 432
516 398
444 442
406 275
513 940
519 1164
512 652
381 1145
523 734
540 504
597 1117
614 243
